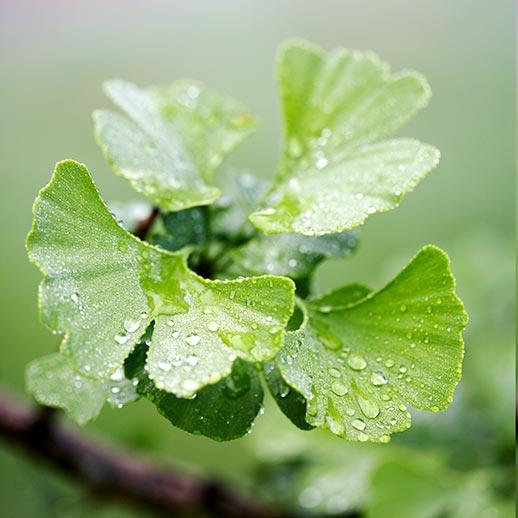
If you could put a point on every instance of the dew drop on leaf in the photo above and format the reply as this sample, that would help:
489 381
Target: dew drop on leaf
378 379
213 326
334 372
121 339
356 362
369 408
165 366
192 360
131 325
339 388
358 424
193 339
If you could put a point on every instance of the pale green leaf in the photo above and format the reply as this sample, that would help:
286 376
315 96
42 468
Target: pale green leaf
292 255
333 173
171 139
102 288
358 364
53 382
241 193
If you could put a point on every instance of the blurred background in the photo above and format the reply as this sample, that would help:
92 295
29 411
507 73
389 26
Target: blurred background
54 56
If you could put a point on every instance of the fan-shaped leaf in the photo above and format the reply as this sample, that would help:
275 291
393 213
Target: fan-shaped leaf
361 357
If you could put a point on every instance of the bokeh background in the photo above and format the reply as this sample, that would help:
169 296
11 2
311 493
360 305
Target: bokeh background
54 56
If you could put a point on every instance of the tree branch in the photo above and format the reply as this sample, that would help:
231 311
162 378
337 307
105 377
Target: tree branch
144 225
114 474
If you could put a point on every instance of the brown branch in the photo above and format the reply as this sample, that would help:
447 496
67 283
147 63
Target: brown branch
144 225
114 474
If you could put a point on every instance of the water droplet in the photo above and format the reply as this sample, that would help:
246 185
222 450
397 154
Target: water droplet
75 298
369 408
402 308
389 363
189 385
402 369
335 372
356 362
165 366
144 315
339 388
358 424
115 390
193 339
121 339
359 196
213 326
325 308
192 360
321 162
118 375
378 379
131 325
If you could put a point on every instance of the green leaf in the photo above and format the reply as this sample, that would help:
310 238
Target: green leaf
223 411
171 139
292 404
184 228
357 363
291 255
241 193
53 382
333 173
102 288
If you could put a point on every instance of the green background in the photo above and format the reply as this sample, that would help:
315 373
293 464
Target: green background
54 56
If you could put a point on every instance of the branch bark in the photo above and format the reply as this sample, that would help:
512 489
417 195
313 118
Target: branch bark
144 225
114 474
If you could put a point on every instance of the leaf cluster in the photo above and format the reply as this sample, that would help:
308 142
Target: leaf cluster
218 293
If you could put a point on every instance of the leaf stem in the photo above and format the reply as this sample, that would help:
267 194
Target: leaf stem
144 225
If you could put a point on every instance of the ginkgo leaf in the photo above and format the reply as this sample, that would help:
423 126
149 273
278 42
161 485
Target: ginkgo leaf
292 404
292 255
185 228
102 288
360 357
241 193
333 173
53 382
223 411
171 139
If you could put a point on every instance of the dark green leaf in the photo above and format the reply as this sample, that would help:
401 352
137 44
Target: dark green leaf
223 411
